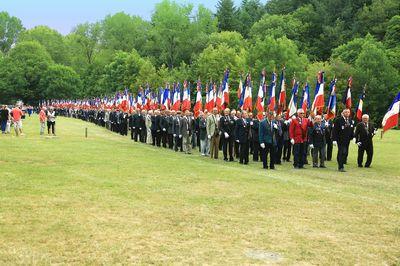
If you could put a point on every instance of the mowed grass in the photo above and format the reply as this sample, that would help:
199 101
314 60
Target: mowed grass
107 200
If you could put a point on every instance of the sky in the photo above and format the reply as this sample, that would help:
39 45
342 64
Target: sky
63 15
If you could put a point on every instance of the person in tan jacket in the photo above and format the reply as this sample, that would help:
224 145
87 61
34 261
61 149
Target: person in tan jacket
213 133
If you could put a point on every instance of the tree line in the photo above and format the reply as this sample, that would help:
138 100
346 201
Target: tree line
185 42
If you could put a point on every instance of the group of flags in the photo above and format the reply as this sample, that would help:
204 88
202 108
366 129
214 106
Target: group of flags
178 98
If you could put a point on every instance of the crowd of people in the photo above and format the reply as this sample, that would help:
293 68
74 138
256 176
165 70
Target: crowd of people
12 118
271 139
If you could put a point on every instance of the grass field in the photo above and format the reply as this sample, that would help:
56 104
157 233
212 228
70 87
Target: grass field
106 200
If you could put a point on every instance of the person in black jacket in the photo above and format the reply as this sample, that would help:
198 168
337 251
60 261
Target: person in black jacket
203 134
254 127
364 133
141 126
317 142
242 137
227 126
133 124
164 128
342 134
328 139
170 132
279 139
177 129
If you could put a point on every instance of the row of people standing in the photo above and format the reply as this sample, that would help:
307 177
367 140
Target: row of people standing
238 134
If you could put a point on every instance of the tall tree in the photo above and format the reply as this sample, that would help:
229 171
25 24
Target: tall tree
227 15
10 28
51 40
250 11
88 37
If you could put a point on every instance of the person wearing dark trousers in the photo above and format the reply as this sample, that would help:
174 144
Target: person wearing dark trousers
158 128
317 142
254 127
342 134
227 125
287 146
236 116
298 137
267 140
170 119
328 139
142 126
250 121
177 129
363 135
164 129
132 124
242 137
279 139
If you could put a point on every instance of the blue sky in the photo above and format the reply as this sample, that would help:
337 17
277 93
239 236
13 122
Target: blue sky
63 15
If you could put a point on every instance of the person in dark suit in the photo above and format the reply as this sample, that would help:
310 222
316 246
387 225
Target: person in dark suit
328 139
287 146
242 137
132 125
267 140
164 128
170 137
342 134
227 126
203 134
364 133
177 129
141 126
254 128
317 142
279 139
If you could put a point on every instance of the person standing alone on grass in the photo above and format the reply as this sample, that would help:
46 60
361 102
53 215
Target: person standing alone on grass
4 117
16 115
51 121
42 120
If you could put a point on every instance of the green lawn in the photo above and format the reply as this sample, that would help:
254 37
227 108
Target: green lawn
106 200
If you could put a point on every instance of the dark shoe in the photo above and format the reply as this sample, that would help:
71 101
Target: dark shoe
231 160
342 170
225 159
322 166
360 165
272 168
315 166
367 166
296 167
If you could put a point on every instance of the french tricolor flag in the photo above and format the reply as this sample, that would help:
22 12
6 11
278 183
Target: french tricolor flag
292 107
198 106
306 98
319 101
272 102
331 105
347 96
225 89
391 118
359 111
186 97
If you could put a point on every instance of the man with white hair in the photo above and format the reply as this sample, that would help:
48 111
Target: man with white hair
363 135
317 142
298 137
342 134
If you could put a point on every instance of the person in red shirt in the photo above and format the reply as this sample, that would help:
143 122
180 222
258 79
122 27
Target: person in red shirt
16 115
42 120
298 137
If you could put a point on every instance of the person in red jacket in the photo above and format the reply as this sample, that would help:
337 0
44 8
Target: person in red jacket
298 137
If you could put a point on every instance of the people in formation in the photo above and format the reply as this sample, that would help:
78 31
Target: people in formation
269 138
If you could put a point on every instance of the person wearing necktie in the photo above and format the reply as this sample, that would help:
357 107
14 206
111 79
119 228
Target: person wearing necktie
298 130
363 135
342 134
242 137
187 129
213 133
227 124
267 140
317 142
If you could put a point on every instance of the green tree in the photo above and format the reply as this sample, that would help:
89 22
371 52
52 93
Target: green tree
171 33
88 36
124 32
250 11
232 39
373 68
10 28
22 71
227 15
51 40
392 36
60 82
271 54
